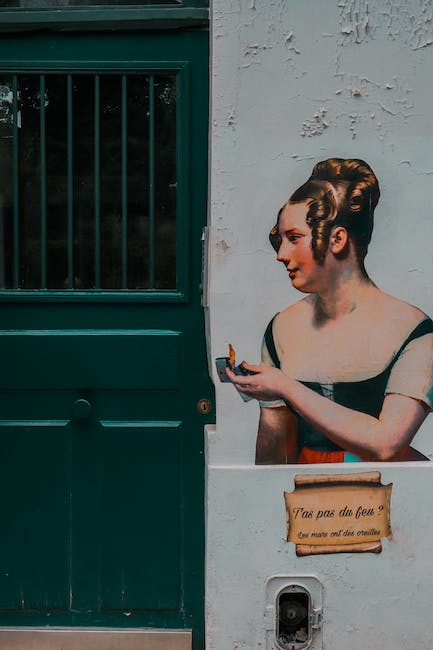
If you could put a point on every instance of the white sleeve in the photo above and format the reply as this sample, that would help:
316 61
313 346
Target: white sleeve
412 374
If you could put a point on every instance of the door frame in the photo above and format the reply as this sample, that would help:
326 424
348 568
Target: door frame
33 300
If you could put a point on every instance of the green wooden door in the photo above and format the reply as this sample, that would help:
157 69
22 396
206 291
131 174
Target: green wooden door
102 205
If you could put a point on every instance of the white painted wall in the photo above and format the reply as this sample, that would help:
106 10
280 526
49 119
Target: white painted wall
294 83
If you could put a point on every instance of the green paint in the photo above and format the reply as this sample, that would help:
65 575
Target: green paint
78 19
103 515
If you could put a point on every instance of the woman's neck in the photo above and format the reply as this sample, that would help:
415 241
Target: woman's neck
343 293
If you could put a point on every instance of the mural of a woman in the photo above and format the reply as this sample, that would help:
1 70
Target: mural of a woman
347 371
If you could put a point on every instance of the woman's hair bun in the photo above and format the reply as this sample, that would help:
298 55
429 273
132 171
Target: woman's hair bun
362 184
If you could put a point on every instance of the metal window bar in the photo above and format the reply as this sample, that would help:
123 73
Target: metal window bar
151 181
124 182
16 189
70 175
97 174
179 172
43 181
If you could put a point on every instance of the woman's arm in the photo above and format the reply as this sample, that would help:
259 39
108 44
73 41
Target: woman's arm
276 437
383 438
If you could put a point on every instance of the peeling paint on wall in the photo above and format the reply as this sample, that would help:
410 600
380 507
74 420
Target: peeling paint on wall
316 125
354 21
409 22
222 246
387 100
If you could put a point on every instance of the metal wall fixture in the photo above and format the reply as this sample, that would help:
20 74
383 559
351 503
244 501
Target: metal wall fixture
293 613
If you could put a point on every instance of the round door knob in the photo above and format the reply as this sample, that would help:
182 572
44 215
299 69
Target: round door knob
81 409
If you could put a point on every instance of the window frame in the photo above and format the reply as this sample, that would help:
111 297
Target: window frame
181 293
185 14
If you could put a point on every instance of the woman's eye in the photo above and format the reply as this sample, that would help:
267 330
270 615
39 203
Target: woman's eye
293 238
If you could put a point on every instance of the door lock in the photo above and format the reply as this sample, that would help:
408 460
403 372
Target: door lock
204 406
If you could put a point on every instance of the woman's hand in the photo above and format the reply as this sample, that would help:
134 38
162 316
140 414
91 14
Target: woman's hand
267 383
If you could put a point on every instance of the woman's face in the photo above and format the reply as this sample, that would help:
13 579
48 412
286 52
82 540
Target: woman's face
296 251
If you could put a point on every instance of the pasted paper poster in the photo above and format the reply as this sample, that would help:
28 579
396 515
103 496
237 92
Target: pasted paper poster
346 372
338 513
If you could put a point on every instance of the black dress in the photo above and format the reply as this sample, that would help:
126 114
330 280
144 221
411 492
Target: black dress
366 396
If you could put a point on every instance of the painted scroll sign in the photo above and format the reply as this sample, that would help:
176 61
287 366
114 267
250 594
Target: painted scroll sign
338 513
346 372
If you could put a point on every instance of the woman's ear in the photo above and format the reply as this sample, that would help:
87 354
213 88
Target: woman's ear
338 240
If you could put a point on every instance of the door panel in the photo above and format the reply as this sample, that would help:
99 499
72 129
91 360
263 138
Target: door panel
146 455
98 359
102 336
34 567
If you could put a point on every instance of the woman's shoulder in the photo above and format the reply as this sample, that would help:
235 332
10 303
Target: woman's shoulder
293 317
397 311
296 310
392 322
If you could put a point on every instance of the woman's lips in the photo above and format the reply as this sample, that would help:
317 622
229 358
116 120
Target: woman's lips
292 273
